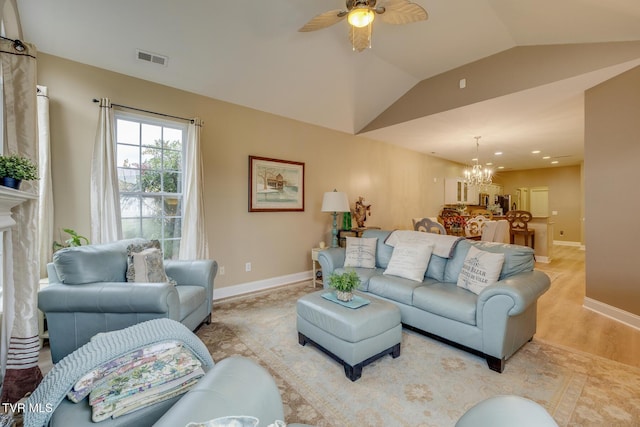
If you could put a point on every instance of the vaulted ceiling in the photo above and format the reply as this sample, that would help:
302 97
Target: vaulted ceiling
250 53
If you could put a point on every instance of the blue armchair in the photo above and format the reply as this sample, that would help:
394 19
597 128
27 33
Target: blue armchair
88 294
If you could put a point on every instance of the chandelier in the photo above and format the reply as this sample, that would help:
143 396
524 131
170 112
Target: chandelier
476 174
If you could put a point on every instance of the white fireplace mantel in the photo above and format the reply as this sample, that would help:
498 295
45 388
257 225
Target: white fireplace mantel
10 198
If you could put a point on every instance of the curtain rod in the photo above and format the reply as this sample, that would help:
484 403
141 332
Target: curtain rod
147 111
17 44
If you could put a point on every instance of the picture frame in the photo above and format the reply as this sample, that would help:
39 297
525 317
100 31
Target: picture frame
275 185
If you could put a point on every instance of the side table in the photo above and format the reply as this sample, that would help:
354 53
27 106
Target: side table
314 261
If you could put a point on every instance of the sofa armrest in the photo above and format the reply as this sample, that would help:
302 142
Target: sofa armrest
523 288
111 297
194 273
329 260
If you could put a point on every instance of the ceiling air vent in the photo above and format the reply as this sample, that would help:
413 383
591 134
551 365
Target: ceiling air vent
152 57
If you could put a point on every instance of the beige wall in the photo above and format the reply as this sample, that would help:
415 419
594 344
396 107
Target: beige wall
400 184
565 196
612 151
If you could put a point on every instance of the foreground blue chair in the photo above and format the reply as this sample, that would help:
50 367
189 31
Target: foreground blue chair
506 411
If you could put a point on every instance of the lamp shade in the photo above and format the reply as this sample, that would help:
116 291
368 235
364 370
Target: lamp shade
335 201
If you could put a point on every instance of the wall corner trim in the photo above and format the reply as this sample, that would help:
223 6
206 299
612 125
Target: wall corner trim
612 312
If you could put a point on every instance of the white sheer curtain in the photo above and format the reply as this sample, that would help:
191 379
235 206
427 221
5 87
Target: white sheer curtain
20 357
105 198
45 209
193 243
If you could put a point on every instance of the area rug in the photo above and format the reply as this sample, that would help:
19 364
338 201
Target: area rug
430 384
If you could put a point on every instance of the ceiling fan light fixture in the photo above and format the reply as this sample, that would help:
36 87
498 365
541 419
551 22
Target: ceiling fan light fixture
361 16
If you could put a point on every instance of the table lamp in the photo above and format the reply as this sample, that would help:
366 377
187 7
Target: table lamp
334 202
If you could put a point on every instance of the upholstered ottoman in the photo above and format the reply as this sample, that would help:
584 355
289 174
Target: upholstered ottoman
354 337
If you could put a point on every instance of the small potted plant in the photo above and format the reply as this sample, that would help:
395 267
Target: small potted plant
344 284
14 169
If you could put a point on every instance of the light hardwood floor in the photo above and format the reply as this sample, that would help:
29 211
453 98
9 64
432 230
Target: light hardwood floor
563 320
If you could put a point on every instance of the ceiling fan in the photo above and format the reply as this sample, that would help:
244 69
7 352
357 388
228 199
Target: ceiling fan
361 13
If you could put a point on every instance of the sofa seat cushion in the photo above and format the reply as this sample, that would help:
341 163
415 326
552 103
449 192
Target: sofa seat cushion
365 274
447 300
395 288
191 297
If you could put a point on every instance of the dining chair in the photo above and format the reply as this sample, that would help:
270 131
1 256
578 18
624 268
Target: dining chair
474 226
428 225
484 212
518 225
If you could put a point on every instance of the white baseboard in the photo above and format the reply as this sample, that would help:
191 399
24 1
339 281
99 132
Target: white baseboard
565 243
543 259
260 285
629 319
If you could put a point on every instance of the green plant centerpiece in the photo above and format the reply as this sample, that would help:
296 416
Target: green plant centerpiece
15 169
74 240
344 284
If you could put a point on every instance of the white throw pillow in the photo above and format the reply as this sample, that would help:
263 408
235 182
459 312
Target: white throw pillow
135 248
361 252
409 260
480 269
148 266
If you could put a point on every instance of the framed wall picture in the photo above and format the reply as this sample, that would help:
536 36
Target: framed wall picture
275 185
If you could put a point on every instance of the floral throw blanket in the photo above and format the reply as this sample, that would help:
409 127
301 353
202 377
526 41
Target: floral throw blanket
138 379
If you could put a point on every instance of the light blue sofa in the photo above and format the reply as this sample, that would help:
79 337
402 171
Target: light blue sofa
88 294
493 324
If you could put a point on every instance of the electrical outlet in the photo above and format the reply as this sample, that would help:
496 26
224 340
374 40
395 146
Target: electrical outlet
247 267
221 270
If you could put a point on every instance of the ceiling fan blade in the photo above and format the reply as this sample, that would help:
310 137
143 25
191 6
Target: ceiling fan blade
402 12
360 37
324 20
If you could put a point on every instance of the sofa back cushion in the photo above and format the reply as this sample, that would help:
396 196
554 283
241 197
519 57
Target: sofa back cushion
383 251
517 259
93 263
435 269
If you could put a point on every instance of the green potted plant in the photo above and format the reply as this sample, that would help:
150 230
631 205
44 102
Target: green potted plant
14 169
74 240
344 284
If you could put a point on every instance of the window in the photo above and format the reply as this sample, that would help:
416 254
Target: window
150 160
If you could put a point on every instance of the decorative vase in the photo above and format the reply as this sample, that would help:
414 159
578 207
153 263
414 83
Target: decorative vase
11 182
346 221
344 296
